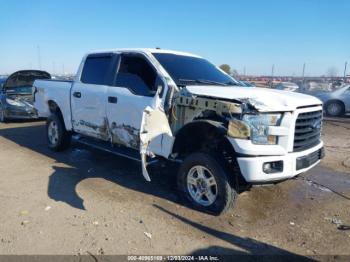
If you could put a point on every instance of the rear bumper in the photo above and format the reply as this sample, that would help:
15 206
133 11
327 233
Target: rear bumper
293 164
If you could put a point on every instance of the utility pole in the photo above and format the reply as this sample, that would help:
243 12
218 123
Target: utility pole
244 71
346 64
304 74
272 72
63 69
303 85
39 57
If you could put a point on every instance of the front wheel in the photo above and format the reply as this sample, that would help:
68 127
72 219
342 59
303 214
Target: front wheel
204 183
57 136
335 108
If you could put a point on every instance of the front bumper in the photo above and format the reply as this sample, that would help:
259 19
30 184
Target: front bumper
293 164
20 113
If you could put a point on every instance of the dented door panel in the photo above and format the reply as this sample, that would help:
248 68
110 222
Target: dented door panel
124 116
88 110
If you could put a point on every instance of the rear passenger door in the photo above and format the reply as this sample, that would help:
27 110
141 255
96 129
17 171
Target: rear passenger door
89 95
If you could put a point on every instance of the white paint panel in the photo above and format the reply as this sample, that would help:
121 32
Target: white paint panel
89 111
268 100
125 116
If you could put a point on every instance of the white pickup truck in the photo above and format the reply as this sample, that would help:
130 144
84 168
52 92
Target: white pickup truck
152 104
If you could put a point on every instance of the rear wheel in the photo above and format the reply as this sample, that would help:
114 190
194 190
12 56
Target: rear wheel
335 108
204 183
57 136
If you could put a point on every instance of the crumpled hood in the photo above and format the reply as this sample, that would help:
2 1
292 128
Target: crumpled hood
263 99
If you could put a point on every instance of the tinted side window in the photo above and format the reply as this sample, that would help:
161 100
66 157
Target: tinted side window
96 70
137 74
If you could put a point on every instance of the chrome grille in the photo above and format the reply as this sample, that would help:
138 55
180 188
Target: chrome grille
307 130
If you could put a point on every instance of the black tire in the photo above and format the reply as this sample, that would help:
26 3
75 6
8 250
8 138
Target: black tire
226 195
335 108
2 115
63 136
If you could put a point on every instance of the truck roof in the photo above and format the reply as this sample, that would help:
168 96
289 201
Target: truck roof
143 50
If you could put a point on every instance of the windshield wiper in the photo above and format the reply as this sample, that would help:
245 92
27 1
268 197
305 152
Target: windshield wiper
202 81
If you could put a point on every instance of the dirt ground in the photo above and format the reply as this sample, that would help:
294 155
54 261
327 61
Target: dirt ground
89 202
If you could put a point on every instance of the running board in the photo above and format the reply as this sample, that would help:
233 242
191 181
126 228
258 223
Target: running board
107 147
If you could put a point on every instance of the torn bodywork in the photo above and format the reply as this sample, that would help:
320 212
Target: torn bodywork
117 134
186 108
125 135
155 137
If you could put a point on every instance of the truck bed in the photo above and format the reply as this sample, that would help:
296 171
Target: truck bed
47 91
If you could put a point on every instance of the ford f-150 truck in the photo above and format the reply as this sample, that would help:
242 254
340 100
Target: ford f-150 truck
152 104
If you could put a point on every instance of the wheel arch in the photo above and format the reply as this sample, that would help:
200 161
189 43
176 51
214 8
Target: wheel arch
208 136
54 108
191 136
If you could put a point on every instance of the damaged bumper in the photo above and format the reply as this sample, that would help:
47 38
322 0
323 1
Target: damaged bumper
259 169
20 113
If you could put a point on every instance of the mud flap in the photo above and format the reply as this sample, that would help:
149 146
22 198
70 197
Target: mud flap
155 137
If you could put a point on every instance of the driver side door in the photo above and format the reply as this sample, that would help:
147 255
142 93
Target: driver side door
132 92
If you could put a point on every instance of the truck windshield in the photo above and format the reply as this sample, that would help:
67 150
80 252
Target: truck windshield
188 70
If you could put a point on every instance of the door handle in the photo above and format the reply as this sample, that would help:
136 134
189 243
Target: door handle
112 99
77 94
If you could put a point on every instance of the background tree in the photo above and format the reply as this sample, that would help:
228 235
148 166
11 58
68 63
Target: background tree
226 68
234 73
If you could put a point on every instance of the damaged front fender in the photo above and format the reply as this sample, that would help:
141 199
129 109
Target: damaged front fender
155 137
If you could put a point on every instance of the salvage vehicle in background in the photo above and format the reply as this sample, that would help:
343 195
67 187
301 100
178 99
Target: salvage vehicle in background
287 86
336 103
16 95
150 104
2 81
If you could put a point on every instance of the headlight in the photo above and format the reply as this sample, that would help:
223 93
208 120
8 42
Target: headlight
13 102
259 125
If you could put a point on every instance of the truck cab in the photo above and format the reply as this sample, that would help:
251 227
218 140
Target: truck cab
151 104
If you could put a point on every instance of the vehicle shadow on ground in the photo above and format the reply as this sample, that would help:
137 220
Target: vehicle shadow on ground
76 164
247 246
14 121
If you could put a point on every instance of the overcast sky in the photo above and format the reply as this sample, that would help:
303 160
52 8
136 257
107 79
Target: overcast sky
245 34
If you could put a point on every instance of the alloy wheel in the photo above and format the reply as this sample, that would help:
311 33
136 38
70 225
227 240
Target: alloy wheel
201 185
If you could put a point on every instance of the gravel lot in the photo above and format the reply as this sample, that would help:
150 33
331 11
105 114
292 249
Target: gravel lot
89 202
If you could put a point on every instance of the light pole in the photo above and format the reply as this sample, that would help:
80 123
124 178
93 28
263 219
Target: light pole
272 72
346 64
